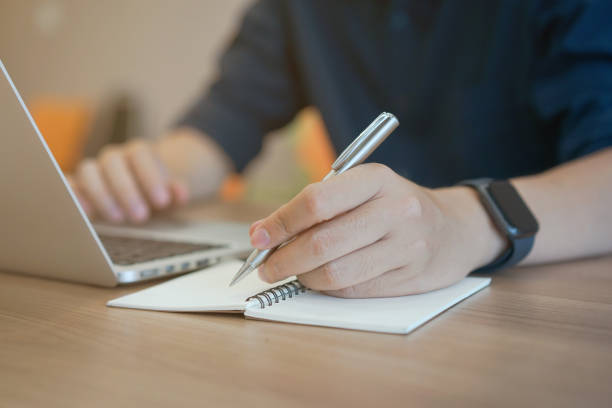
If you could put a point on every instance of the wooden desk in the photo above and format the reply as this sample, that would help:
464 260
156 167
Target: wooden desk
537 337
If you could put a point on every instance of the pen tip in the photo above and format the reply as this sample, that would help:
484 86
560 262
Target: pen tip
244 271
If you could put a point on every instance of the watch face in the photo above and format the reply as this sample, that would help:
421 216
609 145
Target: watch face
513 208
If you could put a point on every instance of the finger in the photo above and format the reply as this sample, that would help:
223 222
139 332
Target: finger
399 282
254 226
180 192
89 178
357 267
320 202
149 174
123 185
328 241
83 201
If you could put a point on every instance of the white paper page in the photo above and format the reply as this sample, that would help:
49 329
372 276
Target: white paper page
205 290
389 315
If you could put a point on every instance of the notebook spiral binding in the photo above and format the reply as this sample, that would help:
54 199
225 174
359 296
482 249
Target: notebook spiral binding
277 293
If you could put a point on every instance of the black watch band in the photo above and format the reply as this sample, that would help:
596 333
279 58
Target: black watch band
510 215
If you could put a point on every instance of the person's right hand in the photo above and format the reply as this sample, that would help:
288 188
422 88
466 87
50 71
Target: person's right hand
128 182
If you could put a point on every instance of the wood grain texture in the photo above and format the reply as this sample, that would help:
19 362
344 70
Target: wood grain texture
539 336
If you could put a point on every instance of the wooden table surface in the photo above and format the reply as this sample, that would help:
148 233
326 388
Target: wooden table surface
539 336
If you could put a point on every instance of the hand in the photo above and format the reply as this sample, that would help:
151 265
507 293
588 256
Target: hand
371 233
128 182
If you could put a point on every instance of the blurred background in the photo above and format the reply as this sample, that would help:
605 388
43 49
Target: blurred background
97 72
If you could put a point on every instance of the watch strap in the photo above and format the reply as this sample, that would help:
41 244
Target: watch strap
516 251
519 248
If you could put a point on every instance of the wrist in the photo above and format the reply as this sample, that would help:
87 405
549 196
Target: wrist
479 236
195 158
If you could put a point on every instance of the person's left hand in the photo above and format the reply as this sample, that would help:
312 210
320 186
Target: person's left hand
372 233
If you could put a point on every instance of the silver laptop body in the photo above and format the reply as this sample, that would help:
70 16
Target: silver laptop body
44 231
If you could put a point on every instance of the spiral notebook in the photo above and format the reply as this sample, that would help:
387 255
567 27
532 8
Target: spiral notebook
290 302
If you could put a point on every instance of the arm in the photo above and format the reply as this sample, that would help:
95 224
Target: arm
573 204
256 91
370 232
572 95
258 88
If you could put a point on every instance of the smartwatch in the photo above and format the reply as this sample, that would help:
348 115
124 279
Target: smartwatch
510 215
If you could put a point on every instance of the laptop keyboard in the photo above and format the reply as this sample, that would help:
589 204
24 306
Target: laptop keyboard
128 251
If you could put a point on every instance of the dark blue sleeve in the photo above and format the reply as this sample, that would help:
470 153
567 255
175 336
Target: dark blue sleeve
256 90
572 81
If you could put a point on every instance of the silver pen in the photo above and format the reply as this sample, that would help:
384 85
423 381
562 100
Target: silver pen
353 155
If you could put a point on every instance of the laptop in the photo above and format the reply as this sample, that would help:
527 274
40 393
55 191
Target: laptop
45 232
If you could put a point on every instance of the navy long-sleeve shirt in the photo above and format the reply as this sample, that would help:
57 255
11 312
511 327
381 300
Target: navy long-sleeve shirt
495 88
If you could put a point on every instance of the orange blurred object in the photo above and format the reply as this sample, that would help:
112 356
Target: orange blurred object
314 150
64 123
233 188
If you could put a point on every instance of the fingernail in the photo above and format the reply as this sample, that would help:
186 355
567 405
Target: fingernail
260 237
254 225
115 214
160 196
139 211
180 192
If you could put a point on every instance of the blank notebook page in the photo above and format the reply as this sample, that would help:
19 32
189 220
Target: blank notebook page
201 291
390 315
